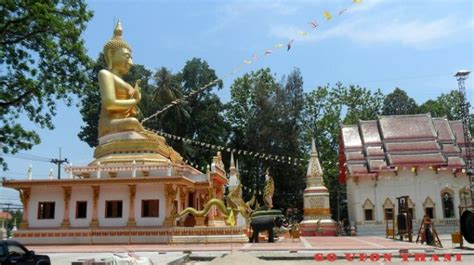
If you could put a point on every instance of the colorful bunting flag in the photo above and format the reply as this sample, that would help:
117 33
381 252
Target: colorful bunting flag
288 46
313 24
342 11
303 33
279 45
327 15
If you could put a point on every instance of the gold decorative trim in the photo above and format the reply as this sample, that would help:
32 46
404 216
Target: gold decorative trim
317 211
25 184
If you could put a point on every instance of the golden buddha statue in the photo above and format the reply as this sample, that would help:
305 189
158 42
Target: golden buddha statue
119 99
122 138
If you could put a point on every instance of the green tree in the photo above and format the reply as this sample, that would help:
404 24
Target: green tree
43 60
399 103
266 118
206 122
446 105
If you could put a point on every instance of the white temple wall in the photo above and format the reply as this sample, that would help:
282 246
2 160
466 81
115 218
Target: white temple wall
150 192
113 193
80 194
426 183
46 194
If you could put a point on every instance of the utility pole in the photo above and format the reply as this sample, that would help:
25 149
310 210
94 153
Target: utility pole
59 162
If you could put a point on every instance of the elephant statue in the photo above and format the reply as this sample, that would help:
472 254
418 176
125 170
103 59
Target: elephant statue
262 223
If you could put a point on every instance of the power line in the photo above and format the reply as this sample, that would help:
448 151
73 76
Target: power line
27 158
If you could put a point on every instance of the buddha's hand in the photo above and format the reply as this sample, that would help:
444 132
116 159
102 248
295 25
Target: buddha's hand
137 93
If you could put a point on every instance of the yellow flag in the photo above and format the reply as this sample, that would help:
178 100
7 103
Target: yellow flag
279 45
303 33
357 1
327 15
247 62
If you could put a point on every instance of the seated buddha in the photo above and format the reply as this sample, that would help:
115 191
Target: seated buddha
119 99
120 133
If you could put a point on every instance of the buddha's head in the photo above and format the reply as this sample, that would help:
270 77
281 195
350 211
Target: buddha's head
117 53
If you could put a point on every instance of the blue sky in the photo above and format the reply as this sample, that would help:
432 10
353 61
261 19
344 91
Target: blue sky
415 45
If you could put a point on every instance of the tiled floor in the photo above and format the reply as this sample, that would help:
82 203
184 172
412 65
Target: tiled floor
306 243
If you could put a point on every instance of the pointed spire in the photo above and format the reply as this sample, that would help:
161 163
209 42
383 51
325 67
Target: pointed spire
232 164
314 167
313 147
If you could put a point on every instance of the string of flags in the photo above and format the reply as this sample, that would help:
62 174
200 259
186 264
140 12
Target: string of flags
264 156
313 24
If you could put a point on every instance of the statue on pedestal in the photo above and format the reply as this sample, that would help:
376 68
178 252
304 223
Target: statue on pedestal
268 190
120 133
119 99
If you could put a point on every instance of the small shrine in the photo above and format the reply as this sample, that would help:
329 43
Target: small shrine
317 211
137 189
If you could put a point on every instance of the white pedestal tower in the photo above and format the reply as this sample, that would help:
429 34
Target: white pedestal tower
317 211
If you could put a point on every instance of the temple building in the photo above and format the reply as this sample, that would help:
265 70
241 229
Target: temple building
414 155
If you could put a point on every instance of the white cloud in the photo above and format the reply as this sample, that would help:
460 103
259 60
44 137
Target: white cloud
416 33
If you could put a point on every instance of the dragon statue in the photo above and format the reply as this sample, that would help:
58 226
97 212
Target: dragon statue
235 205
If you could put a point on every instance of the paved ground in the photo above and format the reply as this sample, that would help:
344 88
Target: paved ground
285 251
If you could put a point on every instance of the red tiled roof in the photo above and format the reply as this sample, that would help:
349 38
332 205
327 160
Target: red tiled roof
407 127
451 149
351 137
433 159
455 162
376 164
374 151
355 155
402 140
456 126
355 169
445 133
370 132
412 146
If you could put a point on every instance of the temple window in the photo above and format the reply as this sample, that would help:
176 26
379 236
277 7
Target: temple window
369 214
429 207
429 211
388 213
368 207
113 209
46 210
81 209
448 205
150 208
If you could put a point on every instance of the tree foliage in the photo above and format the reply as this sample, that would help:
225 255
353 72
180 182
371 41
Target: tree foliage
44 61
266 117
399 103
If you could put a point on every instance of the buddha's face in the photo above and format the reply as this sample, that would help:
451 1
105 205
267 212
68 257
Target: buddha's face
121 60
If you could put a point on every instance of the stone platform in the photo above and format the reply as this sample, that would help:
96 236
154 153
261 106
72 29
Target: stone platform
151 235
